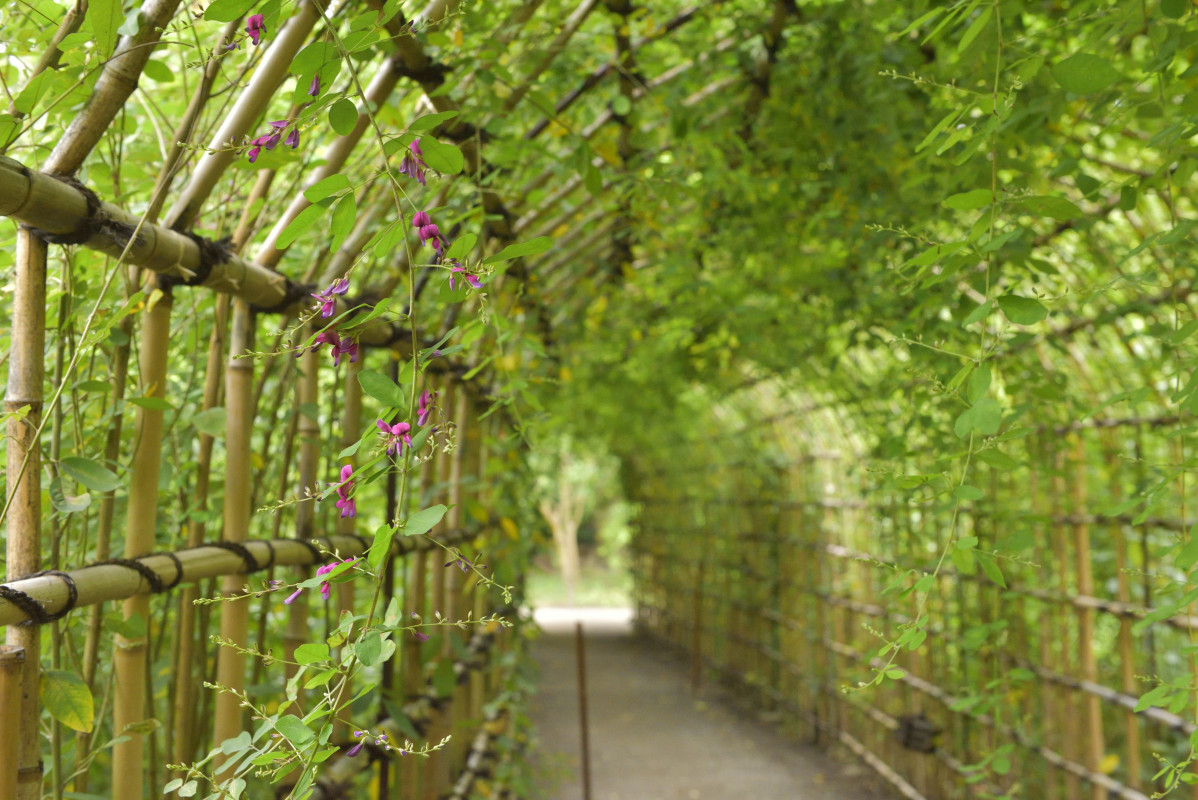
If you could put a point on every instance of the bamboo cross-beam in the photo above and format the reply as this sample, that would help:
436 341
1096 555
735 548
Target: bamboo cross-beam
110 581
63 209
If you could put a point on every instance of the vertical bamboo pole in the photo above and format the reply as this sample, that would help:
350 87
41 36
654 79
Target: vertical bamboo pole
416 600
26 371
129 655
1066 724
308 389
1127 654
454 583
1088 666
12 662
234 618
185 686
351 427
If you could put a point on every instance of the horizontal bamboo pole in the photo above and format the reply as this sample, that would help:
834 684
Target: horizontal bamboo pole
100 582
62 209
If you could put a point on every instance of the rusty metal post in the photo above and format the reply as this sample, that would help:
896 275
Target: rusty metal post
582 710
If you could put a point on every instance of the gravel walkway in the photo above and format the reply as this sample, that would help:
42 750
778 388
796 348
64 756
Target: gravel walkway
651 739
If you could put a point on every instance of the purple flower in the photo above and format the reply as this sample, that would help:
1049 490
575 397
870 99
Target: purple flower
292 139
291 598
421 637
413 164
357 748
270 140
396 436
325 570
431 233
255 28
328 298
420 219
425 406
326 337
314 87
344 501
473 280
347 346
232 46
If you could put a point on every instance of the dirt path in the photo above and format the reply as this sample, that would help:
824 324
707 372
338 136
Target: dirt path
651 739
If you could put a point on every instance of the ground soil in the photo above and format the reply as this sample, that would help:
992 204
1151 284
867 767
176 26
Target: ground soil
653 738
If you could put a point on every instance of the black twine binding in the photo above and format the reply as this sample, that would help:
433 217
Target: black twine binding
91 225
292 294
36 613
213 253
270 547
251 564
178 571
313 549
148 575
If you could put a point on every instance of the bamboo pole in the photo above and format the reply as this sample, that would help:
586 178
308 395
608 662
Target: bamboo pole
102 582
234 618
1088 667
184 685
308 388
1126 647
12 662
26 372
129 654
351 426
271 71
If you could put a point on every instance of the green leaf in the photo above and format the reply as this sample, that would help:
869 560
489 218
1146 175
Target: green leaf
997 459
424 520
1022 310
969 201
211 421
1052 206
311 653
88 473
228 10
304 221
307 61
979 24
1083 73
532 247
441 157
343 116
978 314
152 403
429 121
381 546
369 648
68 699
344 216
1188 555
326 187
979 382
621 105
294 730
157 71
382 388
966 492
990 567
987 416
462 247
64 502
104 17
1173 9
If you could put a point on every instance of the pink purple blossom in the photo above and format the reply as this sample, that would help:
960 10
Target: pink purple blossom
344 501
395 436
328 298
255 28
413 164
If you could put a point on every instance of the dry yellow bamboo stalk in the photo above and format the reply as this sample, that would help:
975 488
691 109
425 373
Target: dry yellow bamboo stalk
26 372
264 82
416 600
1127 654
308 388
234 618
351 427
1088 666
58 208
185 688
103 582
454 583
12 661
129 655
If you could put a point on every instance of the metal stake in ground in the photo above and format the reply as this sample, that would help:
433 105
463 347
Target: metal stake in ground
582 710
